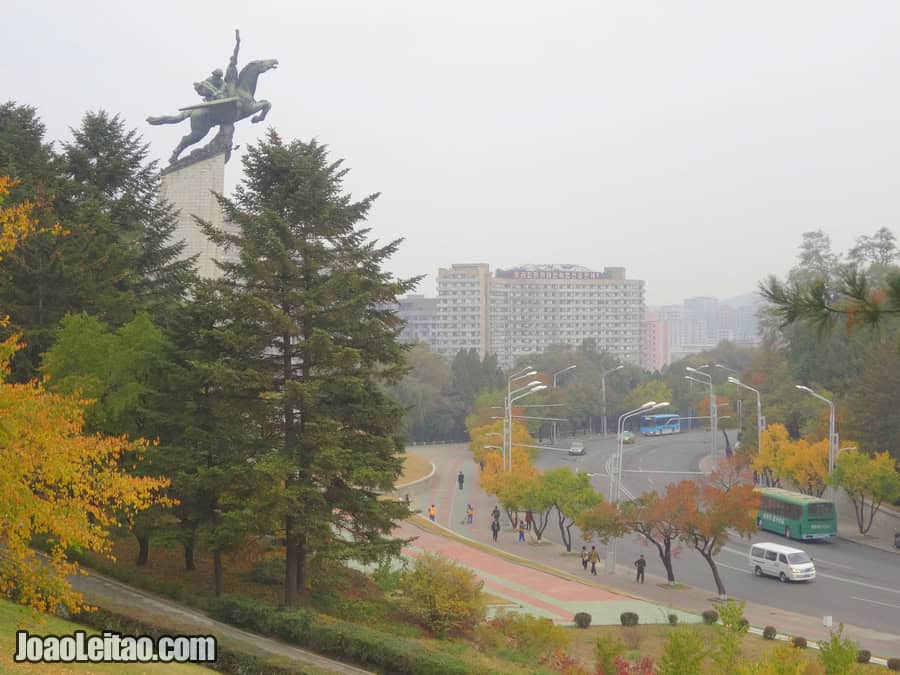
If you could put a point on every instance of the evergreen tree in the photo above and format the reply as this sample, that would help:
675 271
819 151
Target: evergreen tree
306 298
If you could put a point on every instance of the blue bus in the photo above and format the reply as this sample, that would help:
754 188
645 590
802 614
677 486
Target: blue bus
660 425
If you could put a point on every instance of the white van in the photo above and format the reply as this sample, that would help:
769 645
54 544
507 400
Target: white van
783 562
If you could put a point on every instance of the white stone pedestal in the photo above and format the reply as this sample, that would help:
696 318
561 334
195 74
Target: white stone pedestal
190 190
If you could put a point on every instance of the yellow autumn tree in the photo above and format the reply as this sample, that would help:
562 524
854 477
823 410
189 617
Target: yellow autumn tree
769 461
492 435
56 483
805 464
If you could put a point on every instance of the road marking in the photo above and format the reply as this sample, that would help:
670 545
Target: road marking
886 604
737 569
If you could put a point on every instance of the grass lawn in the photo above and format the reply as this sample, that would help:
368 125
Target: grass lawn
15 617
649 641
414 468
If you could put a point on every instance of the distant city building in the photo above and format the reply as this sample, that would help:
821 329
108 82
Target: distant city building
462 310
420 315
535 306
657 341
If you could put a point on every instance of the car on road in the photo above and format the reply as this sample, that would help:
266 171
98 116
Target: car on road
577 449
897 540
627 437
784 562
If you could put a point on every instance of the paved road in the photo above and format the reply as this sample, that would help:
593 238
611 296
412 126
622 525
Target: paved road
855 585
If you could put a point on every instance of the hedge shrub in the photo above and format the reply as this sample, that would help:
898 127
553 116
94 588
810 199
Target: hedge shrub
339 639
710 616
628 619
769 633
893 664
799 642
863 656
582 619
531 637
673 619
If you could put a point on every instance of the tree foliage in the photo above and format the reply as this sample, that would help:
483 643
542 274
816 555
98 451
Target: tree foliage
305 298
868 481
443 596
571 494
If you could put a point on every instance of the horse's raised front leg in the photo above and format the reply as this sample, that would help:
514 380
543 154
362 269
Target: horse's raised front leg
169 119
264 107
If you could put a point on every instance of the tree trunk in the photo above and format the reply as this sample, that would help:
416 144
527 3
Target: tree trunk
189 554
143 549
291 567
544 520
218 575
513 517
715 570
301 565
564 531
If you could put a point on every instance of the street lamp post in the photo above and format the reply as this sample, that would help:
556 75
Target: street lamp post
832 449
555 375
530 388
527 371
759 417
713 405
615 474
711 415
603 389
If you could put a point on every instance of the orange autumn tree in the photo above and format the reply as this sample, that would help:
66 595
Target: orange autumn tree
58 484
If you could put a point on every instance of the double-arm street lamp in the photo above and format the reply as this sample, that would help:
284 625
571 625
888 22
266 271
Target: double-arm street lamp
832 440
760 423
713 405
615 474
603 391
527 371
555 375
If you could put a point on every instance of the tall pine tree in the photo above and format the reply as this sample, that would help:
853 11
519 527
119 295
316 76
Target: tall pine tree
306 295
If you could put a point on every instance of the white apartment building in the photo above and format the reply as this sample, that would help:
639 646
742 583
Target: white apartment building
462 310
420 315
535 306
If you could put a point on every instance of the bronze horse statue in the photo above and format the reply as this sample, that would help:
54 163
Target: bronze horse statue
238 103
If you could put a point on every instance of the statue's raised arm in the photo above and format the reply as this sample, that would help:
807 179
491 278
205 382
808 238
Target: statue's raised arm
231 74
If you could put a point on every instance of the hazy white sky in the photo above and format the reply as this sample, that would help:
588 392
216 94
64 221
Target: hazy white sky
690 142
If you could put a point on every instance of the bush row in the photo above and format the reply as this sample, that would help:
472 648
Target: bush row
340 639
227 660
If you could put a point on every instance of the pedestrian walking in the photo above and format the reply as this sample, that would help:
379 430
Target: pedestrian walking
495 529
470 513
521 530
460 479
594 557
640 563
481 464
495 514
529 519
432 513
584 557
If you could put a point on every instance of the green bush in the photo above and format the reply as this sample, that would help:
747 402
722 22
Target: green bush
683 652
268 572
710 616
743 623
893 664
530 637
673 619
838 654
606 651
339 639
628 619
443 596
769 633
582 619
863 656
799 642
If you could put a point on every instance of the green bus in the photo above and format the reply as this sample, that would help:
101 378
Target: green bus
795 515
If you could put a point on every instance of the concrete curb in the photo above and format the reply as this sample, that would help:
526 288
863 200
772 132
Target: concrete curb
417 486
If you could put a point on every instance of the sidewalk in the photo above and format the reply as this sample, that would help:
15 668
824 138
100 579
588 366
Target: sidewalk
658 597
